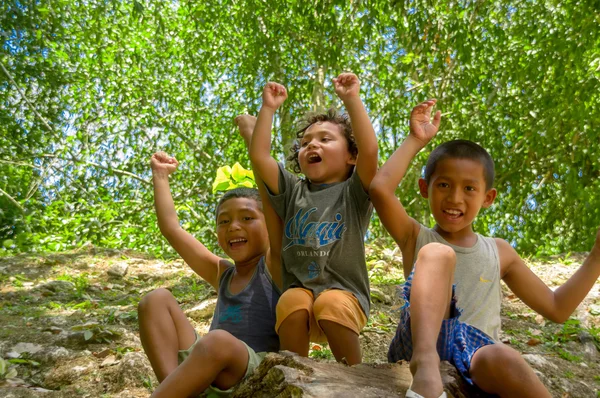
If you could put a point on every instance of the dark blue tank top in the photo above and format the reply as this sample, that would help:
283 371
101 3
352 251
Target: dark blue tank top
250 314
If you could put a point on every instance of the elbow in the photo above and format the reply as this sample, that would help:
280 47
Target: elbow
168 230
377 188
559 318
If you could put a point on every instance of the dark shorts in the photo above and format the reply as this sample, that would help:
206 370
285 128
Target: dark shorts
457 341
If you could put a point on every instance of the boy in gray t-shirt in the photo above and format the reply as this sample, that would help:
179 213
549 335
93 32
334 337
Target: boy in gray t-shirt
325 218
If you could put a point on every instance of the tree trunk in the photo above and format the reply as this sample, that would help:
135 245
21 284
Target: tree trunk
285 375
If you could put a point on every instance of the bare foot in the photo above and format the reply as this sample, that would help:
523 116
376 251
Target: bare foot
427 380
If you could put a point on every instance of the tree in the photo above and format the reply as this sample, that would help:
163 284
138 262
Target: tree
88 91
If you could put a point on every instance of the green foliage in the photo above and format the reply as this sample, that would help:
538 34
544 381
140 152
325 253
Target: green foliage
319 351
82 110
7 371
96 333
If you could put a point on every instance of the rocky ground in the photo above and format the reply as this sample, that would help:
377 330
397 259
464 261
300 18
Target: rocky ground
69 323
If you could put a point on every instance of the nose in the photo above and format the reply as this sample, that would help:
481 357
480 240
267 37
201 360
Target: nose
234 225
455 196
312 144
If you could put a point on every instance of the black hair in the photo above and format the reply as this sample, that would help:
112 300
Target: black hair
333 116
250 193
462 149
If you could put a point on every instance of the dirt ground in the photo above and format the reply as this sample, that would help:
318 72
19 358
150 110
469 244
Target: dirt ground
69 323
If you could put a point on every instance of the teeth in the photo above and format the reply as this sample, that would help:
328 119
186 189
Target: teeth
453 212
237 240
313 157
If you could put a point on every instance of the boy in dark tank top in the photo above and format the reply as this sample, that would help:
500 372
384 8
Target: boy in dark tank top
452 292
243 325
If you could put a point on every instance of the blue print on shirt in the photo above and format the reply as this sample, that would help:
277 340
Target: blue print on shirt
313 270
232 313
313 234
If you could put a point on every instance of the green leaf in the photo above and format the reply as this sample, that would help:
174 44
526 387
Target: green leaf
88 334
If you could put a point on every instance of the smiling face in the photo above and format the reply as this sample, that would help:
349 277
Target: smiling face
241 230
456 192
324 156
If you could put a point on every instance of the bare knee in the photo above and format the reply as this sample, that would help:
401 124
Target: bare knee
220 346
297 319
498 361
158 297
435 255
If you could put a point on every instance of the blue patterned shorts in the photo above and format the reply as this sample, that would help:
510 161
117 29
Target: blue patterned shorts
457 341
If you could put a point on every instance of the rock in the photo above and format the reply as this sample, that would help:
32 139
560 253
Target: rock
378 295
27 347
118 270
52 354
109 361
590 352
68 372
133 369
144 276
103 354
202 311
57 286
539 362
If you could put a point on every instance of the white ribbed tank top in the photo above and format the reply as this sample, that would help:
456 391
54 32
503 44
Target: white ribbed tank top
477 280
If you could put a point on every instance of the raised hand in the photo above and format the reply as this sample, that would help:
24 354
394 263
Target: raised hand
346 86
421 126
163 163
245 125
274 94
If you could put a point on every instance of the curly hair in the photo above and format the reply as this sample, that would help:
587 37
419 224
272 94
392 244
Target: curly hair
333 116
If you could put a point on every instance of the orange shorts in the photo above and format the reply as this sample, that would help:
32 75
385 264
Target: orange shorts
333 305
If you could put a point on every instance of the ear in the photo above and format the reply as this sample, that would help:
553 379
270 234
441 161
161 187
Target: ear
352 160
489 198
423 188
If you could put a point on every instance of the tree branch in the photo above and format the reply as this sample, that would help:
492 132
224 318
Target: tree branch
12 200
27 100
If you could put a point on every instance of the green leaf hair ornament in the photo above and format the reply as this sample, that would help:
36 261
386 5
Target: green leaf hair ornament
229 178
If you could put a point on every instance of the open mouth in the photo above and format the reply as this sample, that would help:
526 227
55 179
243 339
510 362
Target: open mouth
314 158
453 214
237 243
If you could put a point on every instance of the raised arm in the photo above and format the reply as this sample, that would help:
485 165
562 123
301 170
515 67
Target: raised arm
196 255
557 305
399 224
263 163
246 124
347 87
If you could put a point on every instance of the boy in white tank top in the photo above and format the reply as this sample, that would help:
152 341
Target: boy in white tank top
453 292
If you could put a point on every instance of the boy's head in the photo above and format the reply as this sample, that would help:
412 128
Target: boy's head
458 182
241 228
325 149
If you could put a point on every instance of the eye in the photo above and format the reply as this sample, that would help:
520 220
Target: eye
247 218
325 139
443 185
304 144
470 188
223 221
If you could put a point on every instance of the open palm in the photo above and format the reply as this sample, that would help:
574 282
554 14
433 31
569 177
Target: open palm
422 126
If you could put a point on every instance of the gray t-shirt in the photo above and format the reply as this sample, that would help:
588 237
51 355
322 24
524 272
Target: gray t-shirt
250 314
477 279
323 238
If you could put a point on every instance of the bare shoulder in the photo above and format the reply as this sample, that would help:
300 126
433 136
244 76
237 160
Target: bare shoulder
507 256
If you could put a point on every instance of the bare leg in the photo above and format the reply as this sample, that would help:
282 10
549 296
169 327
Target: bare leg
498 369
219 359
293 333
164 330
430 297
343 342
